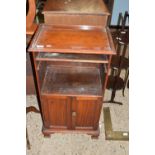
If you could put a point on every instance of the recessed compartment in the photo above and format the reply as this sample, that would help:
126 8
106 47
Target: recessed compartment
72 81
90 58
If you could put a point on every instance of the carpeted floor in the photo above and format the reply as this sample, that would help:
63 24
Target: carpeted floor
80 144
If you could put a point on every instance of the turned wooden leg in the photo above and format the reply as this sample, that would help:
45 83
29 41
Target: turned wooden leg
94 136
125 81
27 140
30 109
46 135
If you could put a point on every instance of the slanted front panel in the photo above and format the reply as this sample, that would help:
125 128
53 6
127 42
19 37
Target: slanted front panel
72 39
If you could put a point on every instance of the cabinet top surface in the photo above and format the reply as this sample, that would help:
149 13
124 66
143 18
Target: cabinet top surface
76 6
72 39
66 80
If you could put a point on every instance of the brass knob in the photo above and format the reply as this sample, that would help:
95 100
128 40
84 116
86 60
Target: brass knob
73 113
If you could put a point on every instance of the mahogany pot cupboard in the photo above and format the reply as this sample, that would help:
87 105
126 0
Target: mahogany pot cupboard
71 60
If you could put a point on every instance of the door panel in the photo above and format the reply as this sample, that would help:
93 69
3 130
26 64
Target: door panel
85 112
56 111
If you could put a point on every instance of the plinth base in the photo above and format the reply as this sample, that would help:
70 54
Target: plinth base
93 133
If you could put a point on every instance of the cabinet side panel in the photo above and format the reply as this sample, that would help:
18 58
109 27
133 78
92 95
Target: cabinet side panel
98 112
45 112
41 68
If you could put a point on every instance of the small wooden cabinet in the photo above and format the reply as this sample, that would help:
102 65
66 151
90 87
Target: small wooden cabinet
71 98
71 114
71 65
72 53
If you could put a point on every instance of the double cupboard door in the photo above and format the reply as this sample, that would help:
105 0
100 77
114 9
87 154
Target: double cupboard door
71 112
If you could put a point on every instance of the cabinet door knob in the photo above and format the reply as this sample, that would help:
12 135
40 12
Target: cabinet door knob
73 113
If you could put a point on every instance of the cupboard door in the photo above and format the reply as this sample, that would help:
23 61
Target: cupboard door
86 112
56 112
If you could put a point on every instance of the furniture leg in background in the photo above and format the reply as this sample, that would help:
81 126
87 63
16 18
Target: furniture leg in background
30 109
126 81
31 27
117 76
119 62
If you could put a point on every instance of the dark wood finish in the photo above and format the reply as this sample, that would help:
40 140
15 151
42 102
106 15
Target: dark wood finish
72 81
30 87
55 111
93 133
64 113
71 91
91 58
71 99
106 77
60 19
27 140
30 25
116 78
76 12
72 39
126 81
76 6
30 30
109 4
87 112
72 55
30 109
69 64
121 60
